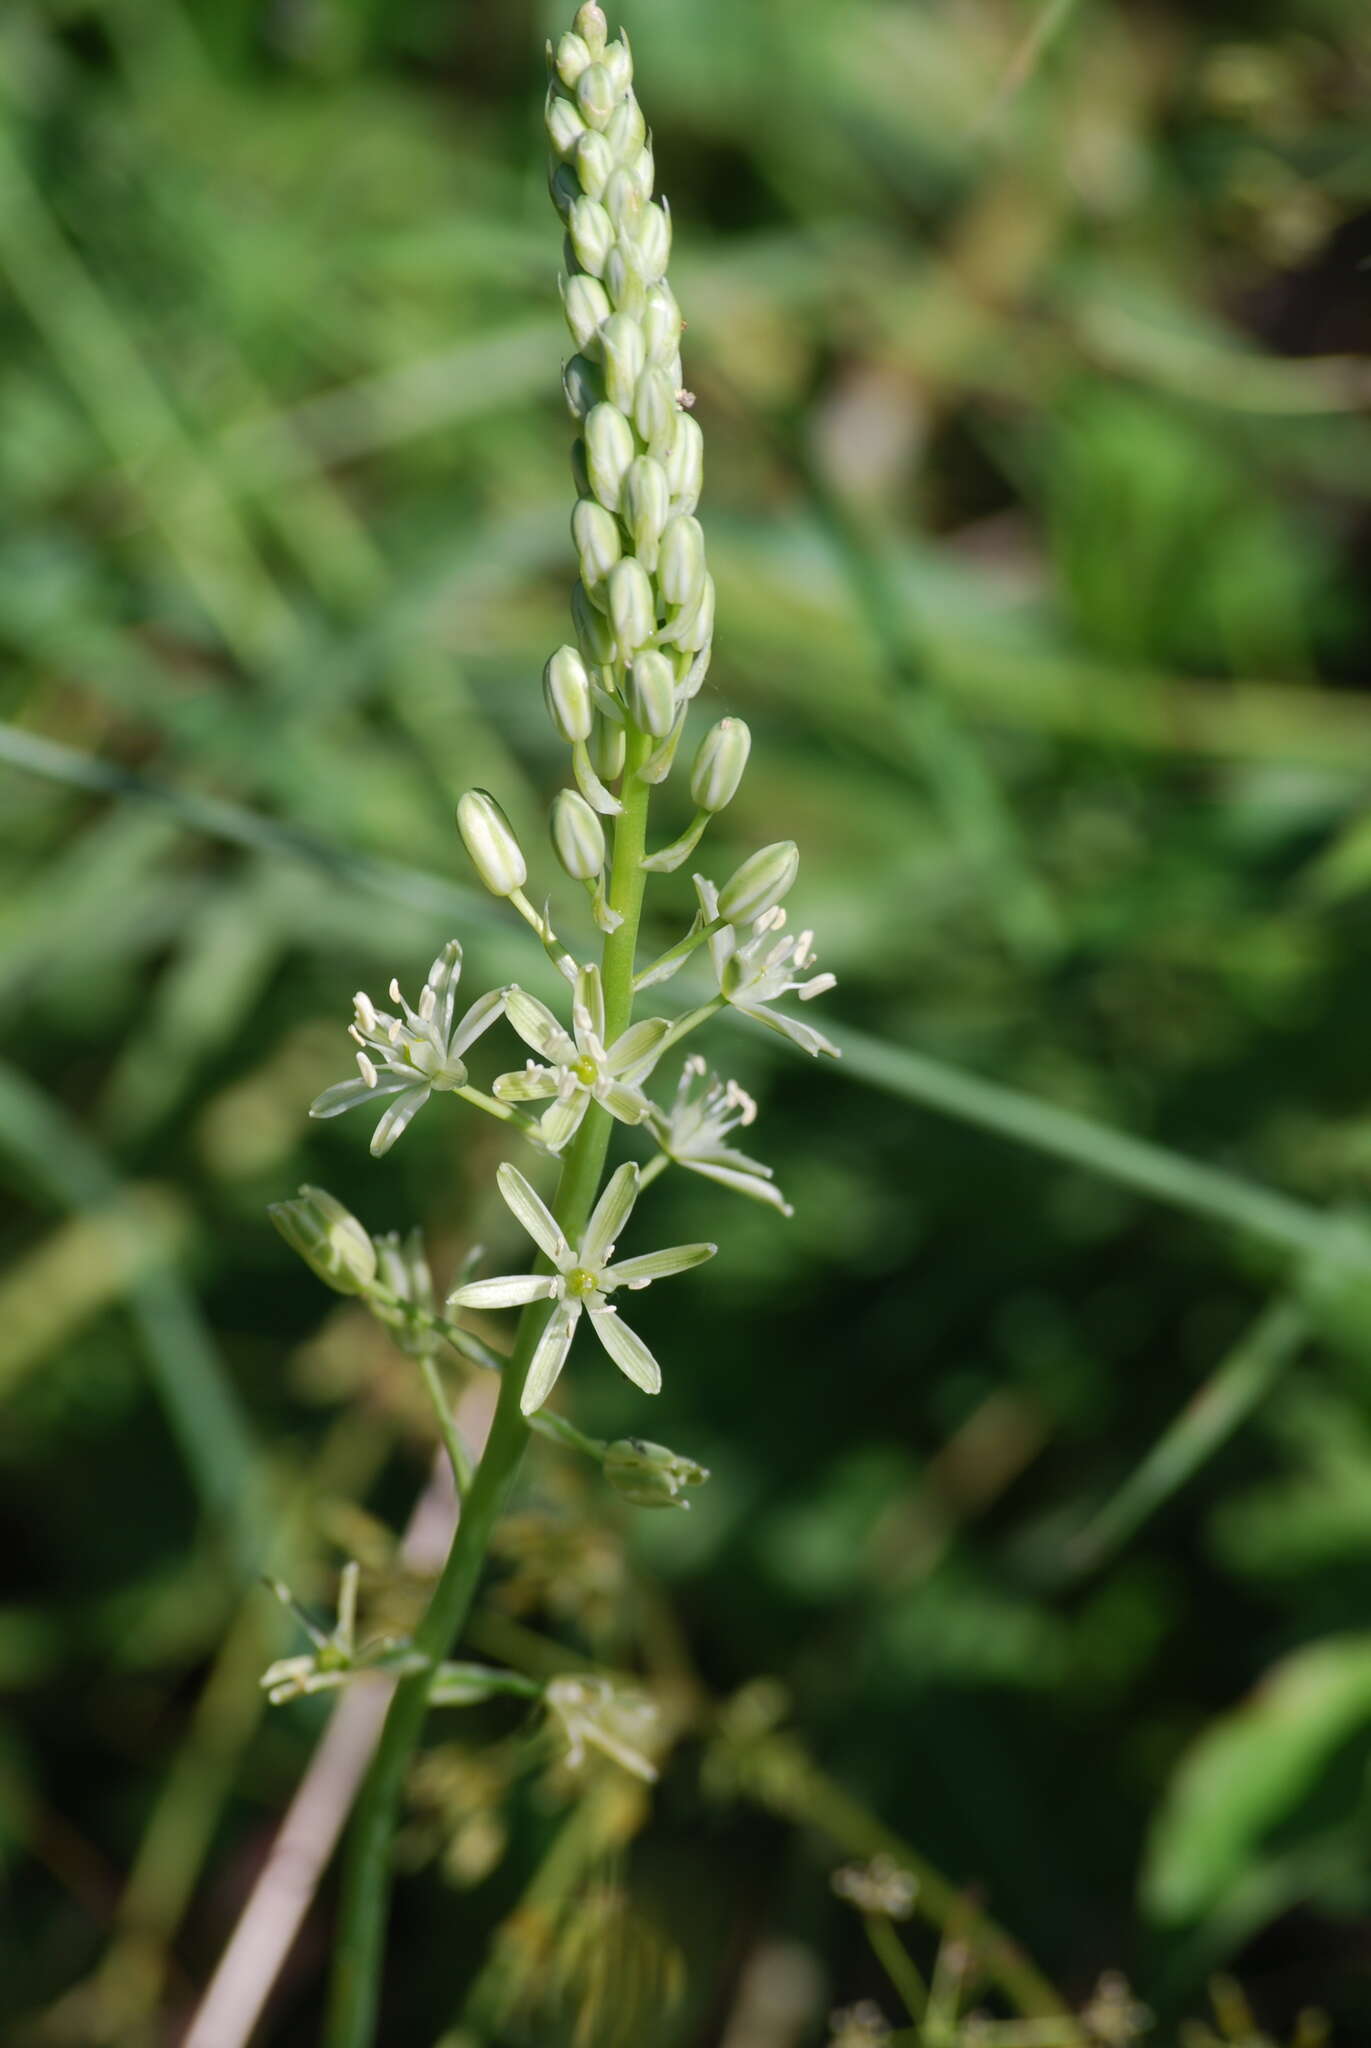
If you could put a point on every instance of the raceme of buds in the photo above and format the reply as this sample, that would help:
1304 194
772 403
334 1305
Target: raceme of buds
489 840
328 1237
760 883
649 1475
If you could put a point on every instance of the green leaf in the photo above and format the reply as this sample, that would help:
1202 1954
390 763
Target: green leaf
1251 1773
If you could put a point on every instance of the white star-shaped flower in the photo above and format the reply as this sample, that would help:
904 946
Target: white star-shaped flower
581 1068
582 1282
754 972
411 1056
693 1130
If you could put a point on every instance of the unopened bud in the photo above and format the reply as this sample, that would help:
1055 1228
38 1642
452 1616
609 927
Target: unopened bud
564 125
583 386
624 283
692 629
578 836
643 170
649 1475
654 410
621 339
646 505
328 1237
595 94
566 692
598 546
652 239
609 451
627 130
632 606
681 568
592 234
608 747
685 462
573 55
661 324
719 764
594 162
489 840
760 883
618 62
622 200
586 305
592 27
652 693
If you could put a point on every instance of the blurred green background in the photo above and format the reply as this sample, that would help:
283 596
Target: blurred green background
1030 347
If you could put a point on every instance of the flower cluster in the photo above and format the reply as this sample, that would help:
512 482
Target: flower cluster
618 694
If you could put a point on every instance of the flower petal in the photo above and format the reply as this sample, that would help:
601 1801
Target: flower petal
525 1084
627 1349
634 1052
549 1356
397 1119
562 1119
610 1214
590 997
443 978
478 1018
744 1179
804 1035
529 1209
627 1103
676 1258
537 1026
346 1095
509 1290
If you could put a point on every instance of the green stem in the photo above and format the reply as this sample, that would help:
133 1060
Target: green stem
898 1964
356 1989
447 1427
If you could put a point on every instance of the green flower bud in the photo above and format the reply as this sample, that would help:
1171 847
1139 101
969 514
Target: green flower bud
643 170
621 338
624 283
573 55
592 629
760 883
626 132
608 747
595 95
490 843
328 1238
632 606
622 201
598 546
692 628
592 27
652 693
618 62
564 125
652 238
649 1475
578 836
609 451
681 568
719 764
661 324
592 234
654 410
594 163
646 504
685 462
583 386
586 305
566 692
